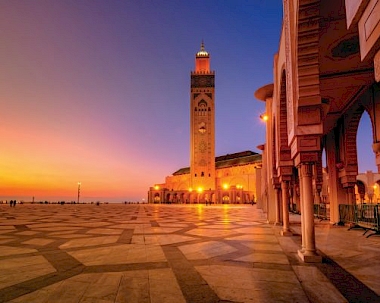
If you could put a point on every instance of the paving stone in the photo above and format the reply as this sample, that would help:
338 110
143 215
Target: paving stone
176 253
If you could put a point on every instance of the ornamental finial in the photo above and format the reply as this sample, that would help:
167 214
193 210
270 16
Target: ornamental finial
202 52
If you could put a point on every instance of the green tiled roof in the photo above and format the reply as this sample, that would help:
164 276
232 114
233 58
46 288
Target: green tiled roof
242 158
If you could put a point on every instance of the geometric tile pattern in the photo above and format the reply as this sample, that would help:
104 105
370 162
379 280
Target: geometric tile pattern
151 253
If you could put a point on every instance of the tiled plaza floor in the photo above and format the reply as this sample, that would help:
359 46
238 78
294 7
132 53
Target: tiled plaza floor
175 253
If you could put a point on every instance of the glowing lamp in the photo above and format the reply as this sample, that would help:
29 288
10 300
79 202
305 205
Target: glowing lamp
264 117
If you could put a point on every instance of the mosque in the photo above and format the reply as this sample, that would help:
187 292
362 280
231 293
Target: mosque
231 178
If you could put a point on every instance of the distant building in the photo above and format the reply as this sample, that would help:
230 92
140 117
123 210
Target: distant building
231 178
367 187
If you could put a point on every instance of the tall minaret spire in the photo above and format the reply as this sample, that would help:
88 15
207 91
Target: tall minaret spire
202 125
202 60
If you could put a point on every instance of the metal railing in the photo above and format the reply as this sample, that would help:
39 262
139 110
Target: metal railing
347 214
364 216
322 211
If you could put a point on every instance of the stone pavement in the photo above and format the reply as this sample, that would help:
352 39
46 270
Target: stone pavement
175 253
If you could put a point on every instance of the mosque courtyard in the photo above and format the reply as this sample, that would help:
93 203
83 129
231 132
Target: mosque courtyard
176 253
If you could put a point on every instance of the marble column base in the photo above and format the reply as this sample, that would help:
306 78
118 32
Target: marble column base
286 233
306 257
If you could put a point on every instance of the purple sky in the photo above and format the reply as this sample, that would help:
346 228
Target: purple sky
98 91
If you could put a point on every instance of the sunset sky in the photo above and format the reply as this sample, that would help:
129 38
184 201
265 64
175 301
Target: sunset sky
97 92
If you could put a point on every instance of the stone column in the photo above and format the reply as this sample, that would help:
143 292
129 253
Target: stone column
233 195
337 194
300 209
350 196
285 209
296 196
317 198
277 204
308 254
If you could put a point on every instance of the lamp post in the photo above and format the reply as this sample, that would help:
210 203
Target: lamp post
78 191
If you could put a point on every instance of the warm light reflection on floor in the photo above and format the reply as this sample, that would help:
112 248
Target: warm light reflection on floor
200 211
226 218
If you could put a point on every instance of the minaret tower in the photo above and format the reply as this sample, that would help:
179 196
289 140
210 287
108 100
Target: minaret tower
202 124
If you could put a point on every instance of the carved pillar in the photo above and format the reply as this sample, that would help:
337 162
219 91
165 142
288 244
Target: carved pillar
336 194
233 195
300 209
277 204
285 209
297 193
317 198
362 197
318 175
161 195
308 253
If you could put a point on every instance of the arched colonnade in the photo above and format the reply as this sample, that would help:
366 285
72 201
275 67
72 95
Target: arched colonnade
325 76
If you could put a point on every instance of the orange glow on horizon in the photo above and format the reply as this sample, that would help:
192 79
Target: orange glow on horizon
48 166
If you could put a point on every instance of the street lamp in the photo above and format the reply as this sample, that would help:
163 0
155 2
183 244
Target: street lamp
78 191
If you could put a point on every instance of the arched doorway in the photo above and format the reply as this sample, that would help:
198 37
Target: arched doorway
225 199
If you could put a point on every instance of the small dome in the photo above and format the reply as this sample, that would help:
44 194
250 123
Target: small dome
202 52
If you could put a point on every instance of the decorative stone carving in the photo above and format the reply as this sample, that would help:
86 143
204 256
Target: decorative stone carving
306 170
376 63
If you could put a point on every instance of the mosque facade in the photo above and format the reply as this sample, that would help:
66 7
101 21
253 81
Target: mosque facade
232 178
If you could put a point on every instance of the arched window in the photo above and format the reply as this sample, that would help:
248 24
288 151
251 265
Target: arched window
202 106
